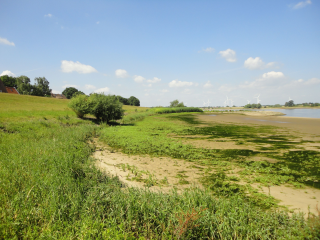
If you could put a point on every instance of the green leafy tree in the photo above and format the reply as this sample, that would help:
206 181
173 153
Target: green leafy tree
133 101
123 100
105 107
41 87
253 105
9 81
176 103
289 104
24 85
80 105
70 91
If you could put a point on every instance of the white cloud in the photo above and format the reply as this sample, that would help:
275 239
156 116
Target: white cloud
209 49
302 4
229 55
164 90
55 92
121 73
207 85
70 66
7 72
6 42
48 15
98 22
102 90
177 83
154 80
257 63
70 85
272 74
312 81
138 79
269 79
88 86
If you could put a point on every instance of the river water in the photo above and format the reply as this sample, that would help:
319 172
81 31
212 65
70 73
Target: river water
295 112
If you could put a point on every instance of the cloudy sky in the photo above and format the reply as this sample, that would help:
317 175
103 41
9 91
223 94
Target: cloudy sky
158 51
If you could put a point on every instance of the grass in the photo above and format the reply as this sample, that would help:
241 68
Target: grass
50 187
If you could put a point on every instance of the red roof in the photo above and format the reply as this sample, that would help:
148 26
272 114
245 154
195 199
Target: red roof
12 90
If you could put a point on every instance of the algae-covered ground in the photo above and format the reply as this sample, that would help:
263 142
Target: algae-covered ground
253 161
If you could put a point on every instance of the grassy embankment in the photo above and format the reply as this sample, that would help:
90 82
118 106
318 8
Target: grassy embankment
50 188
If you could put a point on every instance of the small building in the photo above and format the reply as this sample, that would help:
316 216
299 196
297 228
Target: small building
59 96
4 89
12 90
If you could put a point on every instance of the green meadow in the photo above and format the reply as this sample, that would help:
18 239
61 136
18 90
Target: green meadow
51 188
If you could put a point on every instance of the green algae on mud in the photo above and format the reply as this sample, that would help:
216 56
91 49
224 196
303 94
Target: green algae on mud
154 136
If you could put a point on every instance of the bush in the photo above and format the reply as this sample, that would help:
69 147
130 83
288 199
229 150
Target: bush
105 107
80 105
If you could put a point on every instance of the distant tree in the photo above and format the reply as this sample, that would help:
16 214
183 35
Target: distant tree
289 104
176 103
24 85
253 105
9 81
70 91
123 100
41 87
133 101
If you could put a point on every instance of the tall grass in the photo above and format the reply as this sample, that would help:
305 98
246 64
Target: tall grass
177 110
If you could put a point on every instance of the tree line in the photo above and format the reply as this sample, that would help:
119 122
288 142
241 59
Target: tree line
71 92
24 86
253 105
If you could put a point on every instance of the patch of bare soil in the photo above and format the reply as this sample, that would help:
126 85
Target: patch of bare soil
166 173
263 113
299 200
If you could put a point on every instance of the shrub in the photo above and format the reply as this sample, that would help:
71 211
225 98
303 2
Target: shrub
80 105
105 107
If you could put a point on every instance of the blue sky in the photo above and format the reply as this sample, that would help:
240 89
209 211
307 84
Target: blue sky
158 51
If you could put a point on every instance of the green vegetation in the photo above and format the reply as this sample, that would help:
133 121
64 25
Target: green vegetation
176 103
177 110
70 92
22 84
253 105
289 104
51 188
104 107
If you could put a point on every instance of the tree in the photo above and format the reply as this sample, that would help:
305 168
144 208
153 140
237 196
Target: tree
9 81
133 101
289 104
176 103
24 86
80 105
123 100
70 91
105 107
41 87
